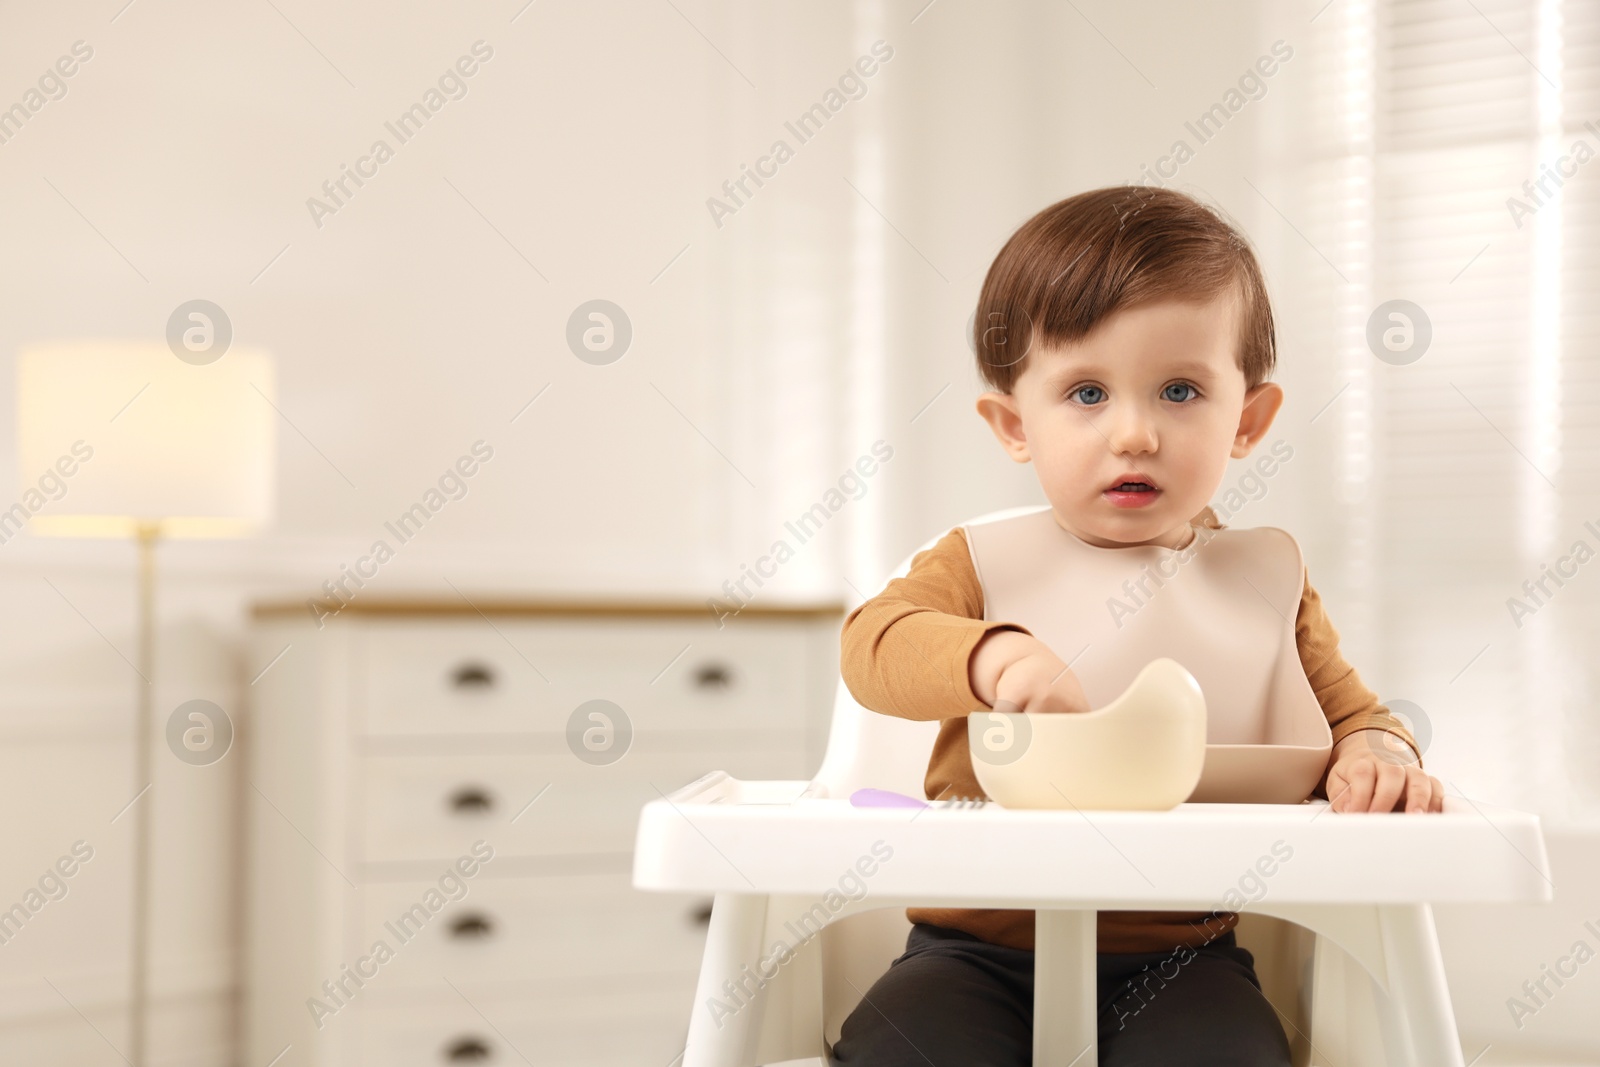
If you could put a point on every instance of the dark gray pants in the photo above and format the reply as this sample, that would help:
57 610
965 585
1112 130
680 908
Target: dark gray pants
953 1000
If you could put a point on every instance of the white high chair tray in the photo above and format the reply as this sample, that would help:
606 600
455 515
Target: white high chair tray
721 834
1364 881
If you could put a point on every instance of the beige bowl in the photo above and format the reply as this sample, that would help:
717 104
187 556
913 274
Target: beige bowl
1143 751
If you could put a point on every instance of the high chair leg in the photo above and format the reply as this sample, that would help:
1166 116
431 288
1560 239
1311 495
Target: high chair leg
1379 987
1418 996
733 943
1064 989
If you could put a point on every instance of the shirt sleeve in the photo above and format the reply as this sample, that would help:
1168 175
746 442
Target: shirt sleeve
1345 698
906 651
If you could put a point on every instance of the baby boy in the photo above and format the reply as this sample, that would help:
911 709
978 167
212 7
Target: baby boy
1126 337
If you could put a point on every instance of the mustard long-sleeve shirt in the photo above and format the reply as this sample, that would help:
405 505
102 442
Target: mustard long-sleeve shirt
906 652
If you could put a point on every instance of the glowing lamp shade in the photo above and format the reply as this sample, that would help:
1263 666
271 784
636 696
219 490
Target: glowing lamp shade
116 436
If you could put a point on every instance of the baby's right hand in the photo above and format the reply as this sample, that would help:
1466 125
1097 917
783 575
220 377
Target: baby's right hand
1013 671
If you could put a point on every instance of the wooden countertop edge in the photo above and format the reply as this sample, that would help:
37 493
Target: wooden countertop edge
530 606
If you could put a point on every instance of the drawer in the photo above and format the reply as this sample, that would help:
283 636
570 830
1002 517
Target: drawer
610 1025
529 675
605 1027
434 807
551 929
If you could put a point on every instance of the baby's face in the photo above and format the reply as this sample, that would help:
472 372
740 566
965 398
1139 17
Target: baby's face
1154 395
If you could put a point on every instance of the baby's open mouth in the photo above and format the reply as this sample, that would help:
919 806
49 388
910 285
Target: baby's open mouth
1131 492
1132 482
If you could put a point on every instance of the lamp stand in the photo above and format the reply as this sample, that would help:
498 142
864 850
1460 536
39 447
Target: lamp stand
147 534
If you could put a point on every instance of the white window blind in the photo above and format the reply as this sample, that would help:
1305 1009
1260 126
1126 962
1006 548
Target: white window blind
1468 471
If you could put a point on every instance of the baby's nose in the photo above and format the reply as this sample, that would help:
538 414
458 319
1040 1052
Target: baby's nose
1132 430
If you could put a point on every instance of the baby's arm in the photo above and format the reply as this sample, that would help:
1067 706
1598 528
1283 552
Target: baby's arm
1366 771
922 650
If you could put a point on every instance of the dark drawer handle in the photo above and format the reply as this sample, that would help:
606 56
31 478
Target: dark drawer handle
473 676
470 800
701 915
713 676
472 926
467 1050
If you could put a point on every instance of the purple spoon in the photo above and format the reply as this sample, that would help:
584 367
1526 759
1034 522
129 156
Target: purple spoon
884 798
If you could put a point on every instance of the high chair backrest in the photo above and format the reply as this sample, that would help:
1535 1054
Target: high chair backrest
868 749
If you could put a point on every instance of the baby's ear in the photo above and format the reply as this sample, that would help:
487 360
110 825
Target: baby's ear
999 410
1261 404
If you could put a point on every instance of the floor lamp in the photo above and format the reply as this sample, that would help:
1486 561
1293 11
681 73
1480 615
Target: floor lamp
128 440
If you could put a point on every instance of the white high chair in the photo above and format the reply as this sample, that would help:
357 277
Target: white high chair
1343 936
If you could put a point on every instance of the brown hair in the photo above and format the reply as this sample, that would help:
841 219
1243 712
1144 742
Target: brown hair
1079 260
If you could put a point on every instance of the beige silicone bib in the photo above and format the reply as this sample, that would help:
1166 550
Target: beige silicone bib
1224 608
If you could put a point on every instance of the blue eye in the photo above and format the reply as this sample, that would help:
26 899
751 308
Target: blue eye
1078 392
1179 385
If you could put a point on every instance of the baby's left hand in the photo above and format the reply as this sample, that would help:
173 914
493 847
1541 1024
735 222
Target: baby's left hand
1364 778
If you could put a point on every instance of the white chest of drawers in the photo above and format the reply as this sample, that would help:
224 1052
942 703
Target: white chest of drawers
394 747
